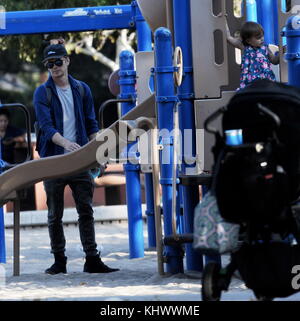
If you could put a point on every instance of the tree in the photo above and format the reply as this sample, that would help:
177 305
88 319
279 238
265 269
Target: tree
89 43
96 51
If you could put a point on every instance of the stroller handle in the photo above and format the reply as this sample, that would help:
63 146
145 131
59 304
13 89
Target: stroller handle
276 120
211 118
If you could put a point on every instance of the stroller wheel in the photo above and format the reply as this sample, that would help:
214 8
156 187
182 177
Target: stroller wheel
210 288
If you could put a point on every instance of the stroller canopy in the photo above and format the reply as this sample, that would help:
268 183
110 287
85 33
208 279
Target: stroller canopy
242 112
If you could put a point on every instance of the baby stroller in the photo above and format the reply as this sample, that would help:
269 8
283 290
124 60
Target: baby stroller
257 185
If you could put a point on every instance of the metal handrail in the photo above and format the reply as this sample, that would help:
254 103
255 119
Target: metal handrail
109 102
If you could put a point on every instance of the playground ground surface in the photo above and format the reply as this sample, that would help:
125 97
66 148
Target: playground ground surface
137 280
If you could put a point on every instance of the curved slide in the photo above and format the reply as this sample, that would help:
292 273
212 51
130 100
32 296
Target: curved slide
31 172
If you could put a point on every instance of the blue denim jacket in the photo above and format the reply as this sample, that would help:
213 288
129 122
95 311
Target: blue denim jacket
50 118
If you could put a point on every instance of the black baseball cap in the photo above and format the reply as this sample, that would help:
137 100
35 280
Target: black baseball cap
54 51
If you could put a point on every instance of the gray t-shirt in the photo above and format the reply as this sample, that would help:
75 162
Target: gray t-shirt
69 123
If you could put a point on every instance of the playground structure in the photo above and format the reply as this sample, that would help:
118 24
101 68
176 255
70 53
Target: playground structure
195 72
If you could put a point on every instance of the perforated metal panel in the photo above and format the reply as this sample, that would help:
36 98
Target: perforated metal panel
211 74
144 63
211 78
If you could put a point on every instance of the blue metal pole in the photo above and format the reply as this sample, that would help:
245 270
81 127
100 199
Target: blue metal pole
132 171
144 43
70 19
2 238
135 221
268 18
259 12
182 27
251 10
2 228
166 99
292 56
275 22
284 9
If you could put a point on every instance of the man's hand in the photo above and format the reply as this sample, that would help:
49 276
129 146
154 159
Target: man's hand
71 147
273 52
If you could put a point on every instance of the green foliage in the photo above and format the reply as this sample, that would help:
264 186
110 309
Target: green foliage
15 51
30 47
18 5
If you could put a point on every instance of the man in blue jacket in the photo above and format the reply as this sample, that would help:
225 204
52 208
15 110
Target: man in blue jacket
66 118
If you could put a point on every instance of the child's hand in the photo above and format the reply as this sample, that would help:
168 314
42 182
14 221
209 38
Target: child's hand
284 49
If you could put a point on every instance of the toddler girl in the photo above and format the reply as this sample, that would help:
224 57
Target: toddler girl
257 56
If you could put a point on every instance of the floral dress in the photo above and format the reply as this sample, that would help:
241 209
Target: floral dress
255 65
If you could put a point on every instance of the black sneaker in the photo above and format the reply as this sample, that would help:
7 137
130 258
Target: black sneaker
59 266
94 264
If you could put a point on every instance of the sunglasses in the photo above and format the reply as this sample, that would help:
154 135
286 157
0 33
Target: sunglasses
57 62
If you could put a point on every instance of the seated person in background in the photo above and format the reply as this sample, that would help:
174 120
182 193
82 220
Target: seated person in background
10 136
